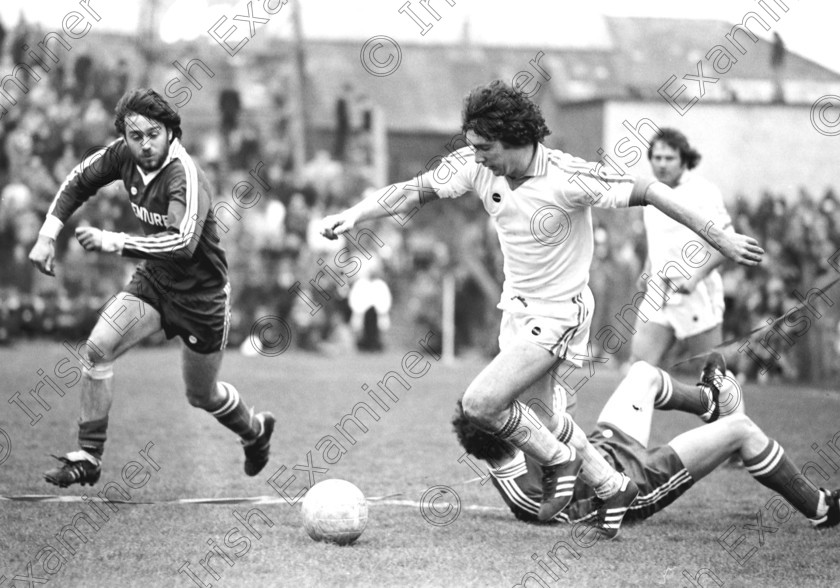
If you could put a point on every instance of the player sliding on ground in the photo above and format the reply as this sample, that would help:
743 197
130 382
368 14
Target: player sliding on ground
540 201
662 473
180 287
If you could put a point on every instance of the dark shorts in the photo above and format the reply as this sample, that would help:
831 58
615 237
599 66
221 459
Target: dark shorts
201 320
659 473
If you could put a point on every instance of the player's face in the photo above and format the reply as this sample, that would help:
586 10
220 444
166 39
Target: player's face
147 140
666 163
493 155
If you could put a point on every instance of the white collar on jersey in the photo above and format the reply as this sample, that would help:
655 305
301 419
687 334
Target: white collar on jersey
173 147
539 163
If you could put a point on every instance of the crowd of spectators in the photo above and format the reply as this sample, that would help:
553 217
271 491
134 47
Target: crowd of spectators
48 123
800 237
281 267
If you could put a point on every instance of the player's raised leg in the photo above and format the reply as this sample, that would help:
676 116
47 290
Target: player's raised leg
491 402
124 321
630 408
222 400
703 449
702 399
548 400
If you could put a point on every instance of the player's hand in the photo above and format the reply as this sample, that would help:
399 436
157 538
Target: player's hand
740 248
90 238
337 224
42 255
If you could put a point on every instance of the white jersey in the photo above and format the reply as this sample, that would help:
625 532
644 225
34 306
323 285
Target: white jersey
544 225
666 238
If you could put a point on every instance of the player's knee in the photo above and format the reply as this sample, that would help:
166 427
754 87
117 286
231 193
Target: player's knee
96 350
477 409
744 424
201 397
96 365
198 400
644 372
645 377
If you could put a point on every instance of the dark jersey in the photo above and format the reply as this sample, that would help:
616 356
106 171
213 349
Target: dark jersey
658 472
180 243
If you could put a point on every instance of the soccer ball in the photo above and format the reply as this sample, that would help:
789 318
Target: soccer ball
334 511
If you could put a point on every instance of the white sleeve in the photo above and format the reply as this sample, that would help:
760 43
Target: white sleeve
592 184
453 176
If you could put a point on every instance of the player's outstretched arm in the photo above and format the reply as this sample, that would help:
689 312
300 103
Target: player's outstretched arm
371 208
741 248
94 172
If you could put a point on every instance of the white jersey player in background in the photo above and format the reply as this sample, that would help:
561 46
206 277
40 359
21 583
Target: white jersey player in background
540 202
689 309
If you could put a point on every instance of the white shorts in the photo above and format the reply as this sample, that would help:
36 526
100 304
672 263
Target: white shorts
564 334
689 314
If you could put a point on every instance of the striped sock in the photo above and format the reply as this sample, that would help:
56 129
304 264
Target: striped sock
524 430
675 395
595 472
233 414
666 390
772 468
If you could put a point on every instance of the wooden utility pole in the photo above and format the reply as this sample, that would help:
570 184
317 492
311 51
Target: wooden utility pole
298 123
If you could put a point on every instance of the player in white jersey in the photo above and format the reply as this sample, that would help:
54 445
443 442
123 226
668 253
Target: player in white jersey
686 304
540 201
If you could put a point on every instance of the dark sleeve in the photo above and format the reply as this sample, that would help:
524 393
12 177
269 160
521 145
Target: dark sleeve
96 171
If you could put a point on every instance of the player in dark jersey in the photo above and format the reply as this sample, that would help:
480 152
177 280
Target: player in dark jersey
661 473
180 286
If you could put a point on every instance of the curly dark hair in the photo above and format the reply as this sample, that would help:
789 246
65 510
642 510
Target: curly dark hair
150 104
499 112
679 142
477 442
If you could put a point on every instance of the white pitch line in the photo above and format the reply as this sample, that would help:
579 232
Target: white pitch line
372 501
415 504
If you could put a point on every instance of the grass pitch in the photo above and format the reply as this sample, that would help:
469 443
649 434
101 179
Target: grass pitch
407 453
